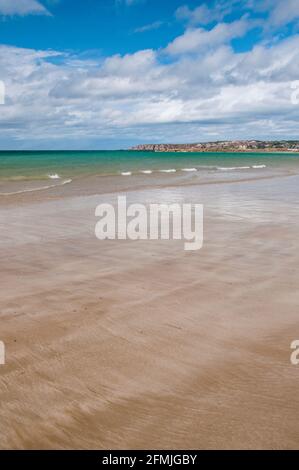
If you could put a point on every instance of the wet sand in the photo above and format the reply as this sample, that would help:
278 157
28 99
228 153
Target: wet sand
127 345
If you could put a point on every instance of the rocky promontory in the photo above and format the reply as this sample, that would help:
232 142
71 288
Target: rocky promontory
224 146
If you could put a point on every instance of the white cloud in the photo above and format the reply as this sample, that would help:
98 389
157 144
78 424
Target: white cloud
284 12
22 8
195 39
278 12
149 27
200 15
219 92
205 14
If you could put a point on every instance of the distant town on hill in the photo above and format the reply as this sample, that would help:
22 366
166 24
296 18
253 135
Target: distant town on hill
225 146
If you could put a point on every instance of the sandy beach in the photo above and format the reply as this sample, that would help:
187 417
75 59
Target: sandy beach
132 345
171 127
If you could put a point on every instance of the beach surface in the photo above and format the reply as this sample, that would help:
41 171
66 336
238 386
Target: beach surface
140 344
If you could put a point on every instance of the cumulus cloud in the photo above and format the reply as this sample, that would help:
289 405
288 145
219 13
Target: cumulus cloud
278 12
22 8
200 15
208 13
284 12
195 39
217 93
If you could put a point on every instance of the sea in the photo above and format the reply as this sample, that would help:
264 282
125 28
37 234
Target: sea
22 171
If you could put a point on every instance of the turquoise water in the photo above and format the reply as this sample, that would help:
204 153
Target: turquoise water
20 166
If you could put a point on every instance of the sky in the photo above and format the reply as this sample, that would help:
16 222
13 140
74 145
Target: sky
109 74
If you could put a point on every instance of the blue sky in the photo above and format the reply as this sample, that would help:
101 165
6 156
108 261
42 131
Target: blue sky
113 73
86 25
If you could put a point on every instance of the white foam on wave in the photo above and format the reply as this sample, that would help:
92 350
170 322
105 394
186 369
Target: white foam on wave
233 168
55 176
259 166
147 172
126 173
41 188
189 169
170 170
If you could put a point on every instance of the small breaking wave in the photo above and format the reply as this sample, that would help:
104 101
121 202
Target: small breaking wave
55 176
224 168
41 188
190 170
232 168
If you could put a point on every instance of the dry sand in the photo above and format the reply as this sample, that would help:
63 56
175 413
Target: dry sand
127 345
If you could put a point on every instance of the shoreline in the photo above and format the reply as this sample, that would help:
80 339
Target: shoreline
64 189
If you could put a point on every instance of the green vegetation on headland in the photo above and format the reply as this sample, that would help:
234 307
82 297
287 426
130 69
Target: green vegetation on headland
225 146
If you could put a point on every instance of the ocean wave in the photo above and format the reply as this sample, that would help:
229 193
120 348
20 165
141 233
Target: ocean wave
41 188
126 173
232 168
147 172
170 170
55 176
189 169
225 168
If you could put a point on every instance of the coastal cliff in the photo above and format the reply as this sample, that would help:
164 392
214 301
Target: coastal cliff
224 146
